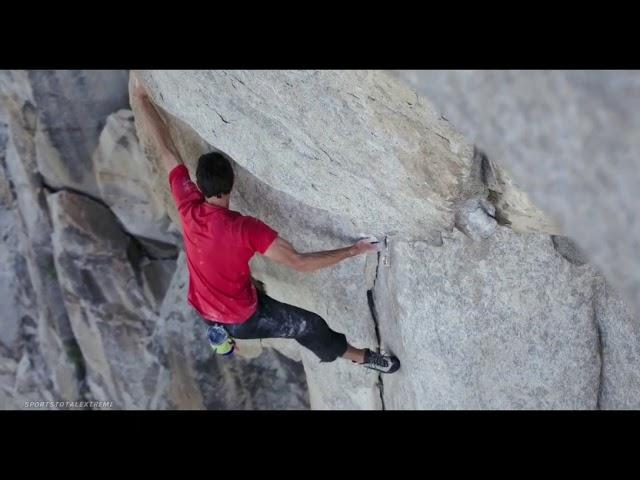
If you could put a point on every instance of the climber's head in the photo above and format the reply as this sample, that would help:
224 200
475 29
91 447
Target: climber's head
214 175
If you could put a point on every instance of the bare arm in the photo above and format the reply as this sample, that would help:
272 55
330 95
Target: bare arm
284 253
155 126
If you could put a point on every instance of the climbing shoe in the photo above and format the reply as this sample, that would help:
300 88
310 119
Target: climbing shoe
380 362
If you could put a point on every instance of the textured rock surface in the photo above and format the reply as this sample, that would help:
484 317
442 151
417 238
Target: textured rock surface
570 138
8 220
500 323
321 136
110 317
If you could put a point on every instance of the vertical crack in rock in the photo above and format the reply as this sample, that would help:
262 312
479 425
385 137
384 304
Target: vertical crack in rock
222 118
600 353
374 316
599 290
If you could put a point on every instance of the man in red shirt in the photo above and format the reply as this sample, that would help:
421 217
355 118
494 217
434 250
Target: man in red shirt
219 243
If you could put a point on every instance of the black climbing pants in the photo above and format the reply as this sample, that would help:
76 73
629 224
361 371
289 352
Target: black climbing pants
274 319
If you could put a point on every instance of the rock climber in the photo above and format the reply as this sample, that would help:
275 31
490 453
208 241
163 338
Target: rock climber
219 243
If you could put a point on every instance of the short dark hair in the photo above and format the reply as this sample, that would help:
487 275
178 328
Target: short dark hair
214 175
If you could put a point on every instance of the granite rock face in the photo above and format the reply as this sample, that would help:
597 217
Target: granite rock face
483 306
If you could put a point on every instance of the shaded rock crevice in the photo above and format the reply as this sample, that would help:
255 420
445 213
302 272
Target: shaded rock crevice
139 246
599 291
618 346
569 250
496 202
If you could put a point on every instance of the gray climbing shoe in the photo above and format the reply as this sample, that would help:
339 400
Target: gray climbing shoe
381 362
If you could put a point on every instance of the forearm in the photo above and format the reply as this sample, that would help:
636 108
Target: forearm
159 134
284 253
310 262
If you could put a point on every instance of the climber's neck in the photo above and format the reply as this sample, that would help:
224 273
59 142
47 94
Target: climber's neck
219 202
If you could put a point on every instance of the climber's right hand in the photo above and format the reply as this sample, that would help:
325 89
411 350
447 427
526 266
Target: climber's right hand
366 245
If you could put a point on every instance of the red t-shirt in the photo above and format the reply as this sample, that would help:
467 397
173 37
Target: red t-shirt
219 244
